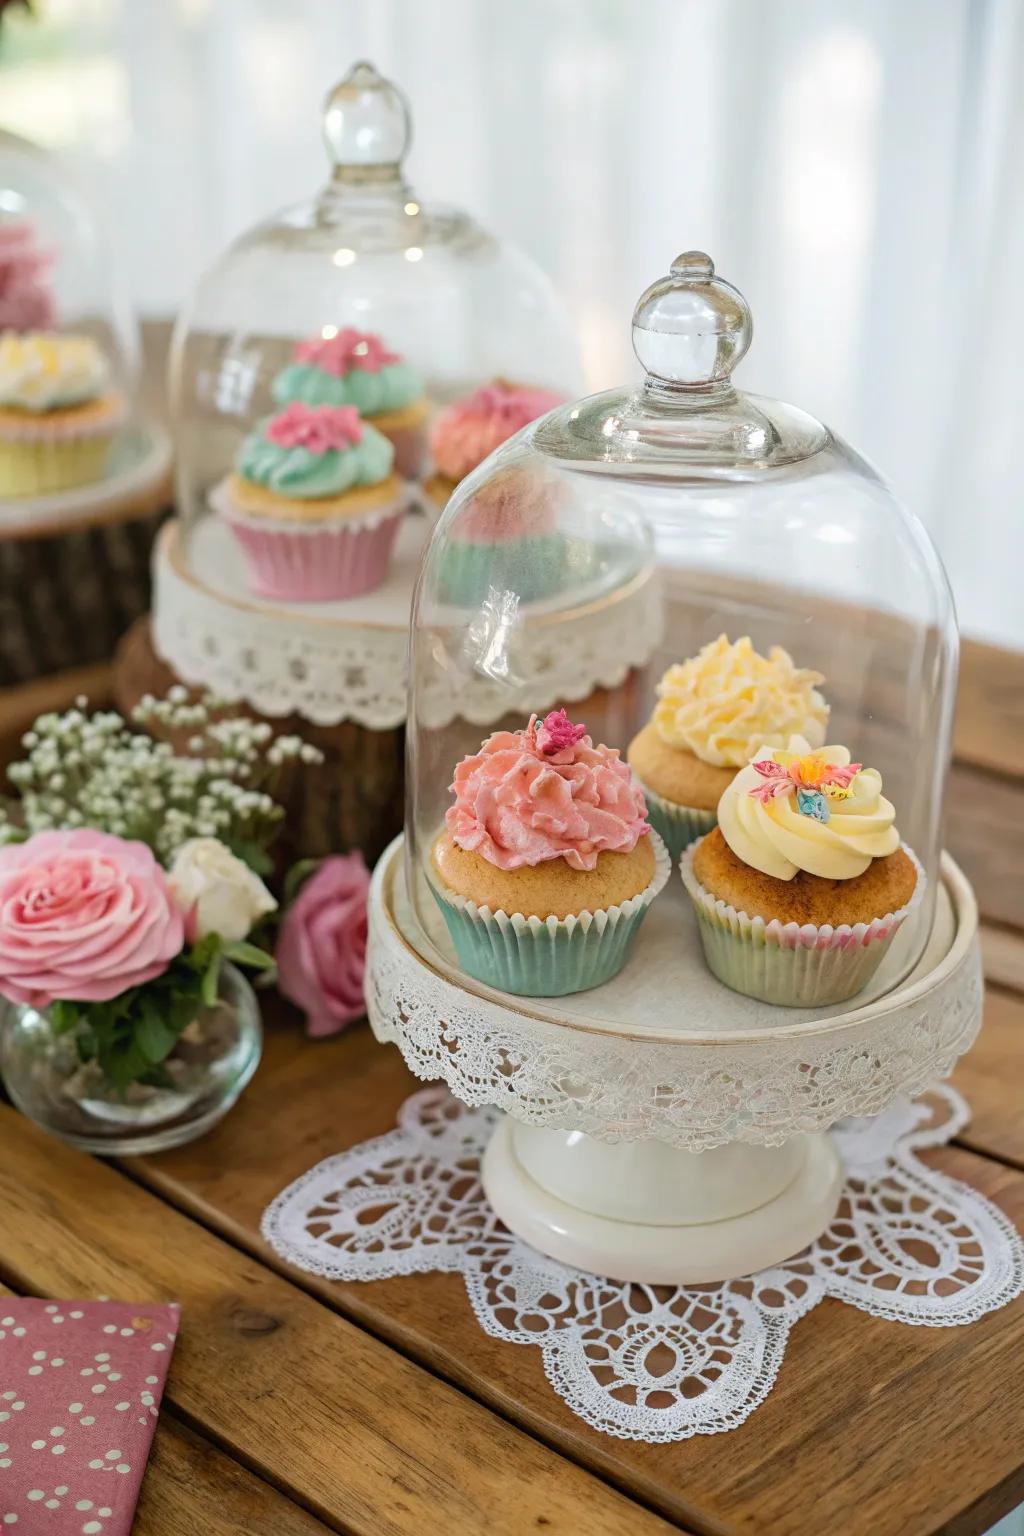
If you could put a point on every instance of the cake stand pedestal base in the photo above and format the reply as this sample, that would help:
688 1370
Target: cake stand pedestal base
645 1211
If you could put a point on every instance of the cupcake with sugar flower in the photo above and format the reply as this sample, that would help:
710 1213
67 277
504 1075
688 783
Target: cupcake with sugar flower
464 433
505 536
803 885
350 367
314 504
546 865
713 713
59 414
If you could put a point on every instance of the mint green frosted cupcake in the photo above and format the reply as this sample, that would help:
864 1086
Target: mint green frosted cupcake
355 368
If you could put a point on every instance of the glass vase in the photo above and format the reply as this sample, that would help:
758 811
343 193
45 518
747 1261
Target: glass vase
213 1059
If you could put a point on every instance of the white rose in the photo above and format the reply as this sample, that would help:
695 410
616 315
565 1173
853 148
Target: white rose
227 897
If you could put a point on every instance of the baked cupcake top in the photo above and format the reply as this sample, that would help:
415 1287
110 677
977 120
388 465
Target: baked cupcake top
464 433
799 810
542 793
728 701
26 297
349 368
310 451
43 371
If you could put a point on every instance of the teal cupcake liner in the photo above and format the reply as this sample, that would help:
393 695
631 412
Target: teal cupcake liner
676 825
790 964
533 568
547 957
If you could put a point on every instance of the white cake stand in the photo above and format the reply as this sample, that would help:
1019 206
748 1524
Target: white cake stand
330 662
662 1128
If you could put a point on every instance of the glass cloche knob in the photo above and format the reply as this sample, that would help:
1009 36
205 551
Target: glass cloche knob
366 124
691 328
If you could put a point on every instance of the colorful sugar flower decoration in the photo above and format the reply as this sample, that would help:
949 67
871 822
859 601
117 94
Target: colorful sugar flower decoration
345 351
317 428
814 780
556 733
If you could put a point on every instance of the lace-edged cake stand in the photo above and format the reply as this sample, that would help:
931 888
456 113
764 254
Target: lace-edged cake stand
662 1128
331 662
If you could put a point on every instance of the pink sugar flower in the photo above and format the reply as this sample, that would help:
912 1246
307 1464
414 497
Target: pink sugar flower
83 917
317 428
556 733
343 353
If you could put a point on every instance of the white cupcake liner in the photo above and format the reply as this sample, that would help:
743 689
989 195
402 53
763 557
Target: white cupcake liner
547 957
794 965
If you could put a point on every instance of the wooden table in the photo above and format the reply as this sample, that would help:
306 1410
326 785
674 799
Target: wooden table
297 1405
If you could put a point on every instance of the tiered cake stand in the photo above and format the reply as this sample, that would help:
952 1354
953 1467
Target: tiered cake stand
662 1128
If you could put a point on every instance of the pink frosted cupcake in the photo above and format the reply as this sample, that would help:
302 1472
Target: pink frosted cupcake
463 434
26 296
354 367
314 504
546 865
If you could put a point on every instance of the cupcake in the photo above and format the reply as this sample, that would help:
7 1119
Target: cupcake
355 368
463 434
546 865
58 414
314 504
713 713
804 883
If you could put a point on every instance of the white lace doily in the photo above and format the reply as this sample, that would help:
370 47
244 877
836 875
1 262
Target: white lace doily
348 661
656 1363
752 1073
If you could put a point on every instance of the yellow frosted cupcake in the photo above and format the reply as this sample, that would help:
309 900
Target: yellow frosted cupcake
713 713
58 414
804 883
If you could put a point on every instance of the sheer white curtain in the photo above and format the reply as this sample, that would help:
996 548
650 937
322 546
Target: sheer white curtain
853 165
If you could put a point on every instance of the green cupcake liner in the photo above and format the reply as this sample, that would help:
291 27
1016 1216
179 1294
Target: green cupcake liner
547 957
676 825
789 964
533 568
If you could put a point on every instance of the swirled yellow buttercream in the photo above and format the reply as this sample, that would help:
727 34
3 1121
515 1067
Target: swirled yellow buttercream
728 700
41 371
776 837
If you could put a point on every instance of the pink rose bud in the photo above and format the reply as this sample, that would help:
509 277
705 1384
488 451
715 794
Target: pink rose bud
556 732
321 946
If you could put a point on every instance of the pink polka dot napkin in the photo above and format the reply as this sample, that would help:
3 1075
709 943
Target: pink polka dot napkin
80 1389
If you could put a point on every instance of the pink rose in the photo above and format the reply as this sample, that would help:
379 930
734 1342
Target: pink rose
321 947
349 349
83 916
317 428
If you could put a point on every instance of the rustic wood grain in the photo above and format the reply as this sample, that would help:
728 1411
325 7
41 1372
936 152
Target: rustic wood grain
190 1486
851 1438
991 1078
364 1439
193 1489
1002 953
985 834
989 730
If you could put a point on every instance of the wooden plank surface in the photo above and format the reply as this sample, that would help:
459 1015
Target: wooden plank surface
877 1404
365 1440
989 731
991 1078
190 1486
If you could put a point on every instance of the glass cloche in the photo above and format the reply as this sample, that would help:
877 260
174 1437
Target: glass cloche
68 343
345 319
796 686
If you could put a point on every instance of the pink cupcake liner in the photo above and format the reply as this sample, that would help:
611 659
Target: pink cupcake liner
320 564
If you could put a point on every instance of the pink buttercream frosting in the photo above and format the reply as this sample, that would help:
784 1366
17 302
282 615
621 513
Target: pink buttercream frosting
348 350
465 433
317 428
545 793
26 297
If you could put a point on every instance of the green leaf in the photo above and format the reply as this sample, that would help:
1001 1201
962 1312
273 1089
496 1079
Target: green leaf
248 954
211 979
296 876
156 1039
252 853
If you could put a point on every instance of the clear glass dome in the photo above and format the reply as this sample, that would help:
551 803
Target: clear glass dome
70 344
365 266
717 512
